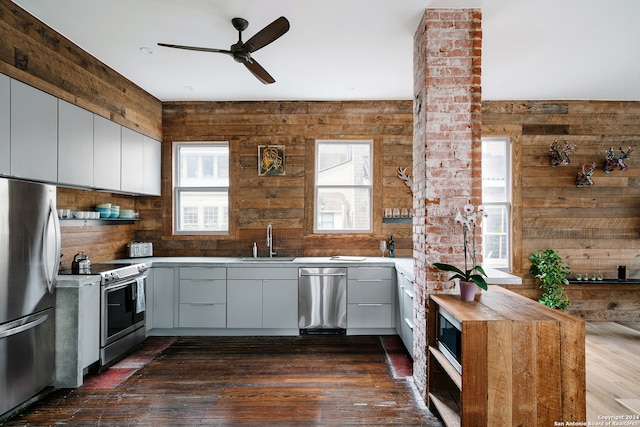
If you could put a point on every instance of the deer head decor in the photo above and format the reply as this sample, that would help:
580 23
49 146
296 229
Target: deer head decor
560 153
611 162
402 174
584 176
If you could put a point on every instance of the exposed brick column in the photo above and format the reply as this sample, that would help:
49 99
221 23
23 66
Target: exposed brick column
446 151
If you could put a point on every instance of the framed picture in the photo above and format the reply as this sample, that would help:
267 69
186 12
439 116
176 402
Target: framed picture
270 160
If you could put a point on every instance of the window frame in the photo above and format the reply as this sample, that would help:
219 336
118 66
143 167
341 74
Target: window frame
370 187
507 205
178 189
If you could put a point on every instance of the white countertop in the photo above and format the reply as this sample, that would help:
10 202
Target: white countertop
494 277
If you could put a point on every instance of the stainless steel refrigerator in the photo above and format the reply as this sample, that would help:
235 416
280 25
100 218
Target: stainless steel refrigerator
29 260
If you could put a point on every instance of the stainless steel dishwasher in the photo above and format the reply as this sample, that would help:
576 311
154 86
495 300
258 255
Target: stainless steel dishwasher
322 300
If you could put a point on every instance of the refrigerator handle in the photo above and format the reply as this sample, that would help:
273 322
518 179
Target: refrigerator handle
13 330
51 266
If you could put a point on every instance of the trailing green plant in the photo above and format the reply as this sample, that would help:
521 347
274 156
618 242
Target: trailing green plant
547 266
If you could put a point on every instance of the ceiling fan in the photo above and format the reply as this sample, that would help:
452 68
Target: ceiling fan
241 52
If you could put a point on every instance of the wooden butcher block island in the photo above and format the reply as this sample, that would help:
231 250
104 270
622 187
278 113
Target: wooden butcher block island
518 362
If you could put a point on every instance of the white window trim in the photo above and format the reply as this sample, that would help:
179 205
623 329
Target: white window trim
177 189
507 204
368 142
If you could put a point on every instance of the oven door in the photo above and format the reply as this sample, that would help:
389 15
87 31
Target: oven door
123 309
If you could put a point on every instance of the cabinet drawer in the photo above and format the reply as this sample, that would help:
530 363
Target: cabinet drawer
372 272
203 291
203 273
263 273
407 335
203 316
369 291
366 315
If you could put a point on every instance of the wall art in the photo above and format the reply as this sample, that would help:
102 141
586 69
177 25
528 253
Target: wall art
270 160
584 176
612 162
402 174
560 153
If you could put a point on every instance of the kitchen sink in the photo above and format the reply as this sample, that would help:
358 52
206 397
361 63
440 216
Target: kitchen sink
265 259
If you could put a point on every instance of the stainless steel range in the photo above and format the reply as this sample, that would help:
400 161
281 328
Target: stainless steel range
122 308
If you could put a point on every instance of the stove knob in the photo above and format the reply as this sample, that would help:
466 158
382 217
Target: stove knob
107 277
142 268
115 275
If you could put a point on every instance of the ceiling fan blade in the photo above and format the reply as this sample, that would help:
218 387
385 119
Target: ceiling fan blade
200 49
268 34
257 70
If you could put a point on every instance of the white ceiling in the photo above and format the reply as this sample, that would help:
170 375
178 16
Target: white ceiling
355 49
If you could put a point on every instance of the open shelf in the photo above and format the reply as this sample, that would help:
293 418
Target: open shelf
401 220
447 407
453 374
90 222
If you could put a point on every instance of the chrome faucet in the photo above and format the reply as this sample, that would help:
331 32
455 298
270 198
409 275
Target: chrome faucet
270 241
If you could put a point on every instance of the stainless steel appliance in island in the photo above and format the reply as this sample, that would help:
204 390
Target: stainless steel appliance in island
29 260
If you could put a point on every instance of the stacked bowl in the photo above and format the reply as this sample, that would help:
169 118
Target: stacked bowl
104 209
126 214
115 211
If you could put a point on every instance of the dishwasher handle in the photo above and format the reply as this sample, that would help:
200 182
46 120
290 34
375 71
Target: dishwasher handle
321 274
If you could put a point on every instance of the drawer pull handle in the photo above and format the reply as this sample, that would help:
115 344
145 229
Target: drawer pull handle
201 303
369 305
409 324
409 294
370 280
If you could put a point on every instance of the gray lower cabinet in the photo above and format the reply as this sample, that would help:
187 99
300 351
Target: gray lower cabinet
370 298
77 332
244 302
280 304
5 128
405 318
34 133
203 297
75 145
162 295
262 298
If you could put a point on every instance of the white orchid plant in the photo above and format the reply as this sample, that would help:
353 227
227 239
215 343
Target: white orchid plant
468 219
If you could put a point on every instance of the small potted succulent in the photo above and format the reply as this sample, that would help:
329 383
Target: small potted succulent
472 274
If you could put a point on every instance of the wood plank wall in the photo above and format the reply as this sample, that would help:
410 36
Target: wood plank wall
286 202
100 243
594 229
35 54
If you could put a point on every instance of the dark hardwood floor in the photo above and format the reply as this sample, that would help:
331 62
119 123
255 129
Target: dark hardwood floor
247 381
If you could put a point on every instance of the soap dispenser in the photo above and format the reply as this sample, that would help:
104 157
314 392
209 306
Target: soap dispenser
255 250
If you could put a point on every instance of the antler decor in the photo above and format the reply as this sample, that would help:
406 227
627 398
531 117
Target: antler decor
584 177
560 154
402 174
611 162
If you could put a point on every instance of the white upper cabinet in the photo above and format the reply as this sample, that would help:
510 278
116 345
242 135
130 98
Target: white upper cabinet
5 122
132 161
34 133
107 152
75 145
46 139
152 163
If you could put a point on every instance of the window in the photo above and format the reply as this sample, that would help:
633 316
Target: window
343 186
496 197
201 188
